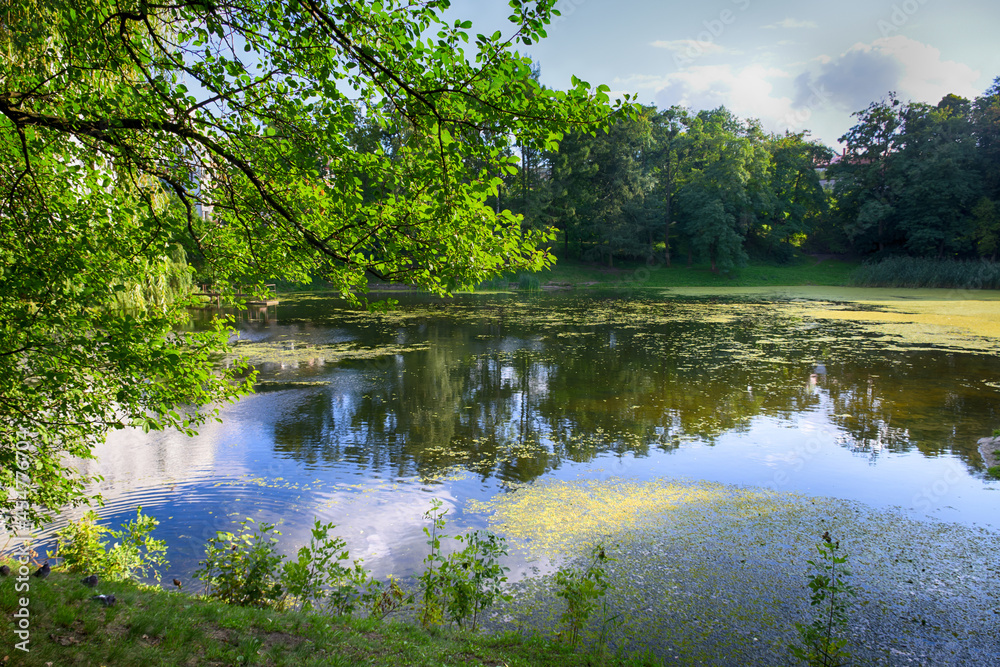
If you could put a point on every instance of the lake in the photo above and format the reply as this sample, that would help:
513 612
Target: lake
362 418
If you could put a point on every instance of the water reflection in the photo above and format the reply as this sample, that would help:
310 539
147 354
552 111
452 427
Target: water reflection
513 389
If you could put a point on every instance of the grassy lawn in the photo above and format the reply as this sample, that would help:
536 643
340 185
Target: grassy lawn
804 270
149 626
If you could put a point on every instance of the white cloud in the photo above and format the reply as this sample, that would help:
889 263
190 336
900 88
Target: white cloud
791 24
747 91
867 72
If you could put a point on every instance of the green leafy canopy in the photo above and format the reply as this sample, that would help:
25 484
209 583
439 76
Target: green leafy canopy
230 128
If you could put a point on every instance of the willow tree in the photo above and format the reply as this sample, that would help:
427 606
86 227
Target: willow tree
225 126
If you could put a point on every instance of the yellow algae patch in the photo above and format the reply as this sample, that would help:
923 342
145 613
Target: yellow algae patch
561 518
966 319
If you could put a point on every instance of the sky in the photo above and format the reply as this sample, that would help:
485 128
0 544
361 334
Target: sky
794 65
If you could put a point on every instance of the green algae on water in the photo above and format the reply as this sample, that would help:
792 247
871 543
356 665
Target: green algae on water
712 574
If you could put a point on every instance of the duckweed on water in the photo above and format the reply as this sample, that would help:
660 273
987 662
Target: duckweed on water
293 352
713 574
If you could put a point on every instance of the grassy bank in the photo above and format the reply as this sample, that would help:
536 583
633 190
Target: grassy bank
149 626
805 270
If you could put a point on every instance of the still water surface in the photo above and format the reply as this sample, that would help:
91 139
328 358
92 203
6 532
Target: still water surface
361 419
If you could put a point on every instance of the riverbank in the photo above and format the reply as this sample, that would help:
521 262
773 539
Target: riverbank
150 626
804 270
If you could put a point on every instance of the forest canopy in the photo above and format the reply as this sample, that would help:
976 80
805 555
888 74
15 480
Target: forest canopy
913 179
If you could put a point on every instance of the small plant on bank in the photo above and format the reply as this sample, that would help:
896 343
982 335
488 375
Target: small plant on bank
317 575
134 554
461 586
582 590
528 283
474 577
432 579
243 568
821 642
385 599
498 283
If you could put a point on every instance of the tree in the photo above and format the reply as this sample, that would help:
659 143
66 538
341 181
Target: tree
912 175
226 126
936 179
986 126
986 215
617 224
795 198
668 141
724 167
864 198
598 186
571 196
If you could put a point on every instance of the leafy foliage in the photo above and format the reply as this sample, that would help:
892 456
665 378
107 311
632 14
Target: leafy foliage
316 573
459 587
582 590
822 641
268 140
433 578
135 554
474 577
242 568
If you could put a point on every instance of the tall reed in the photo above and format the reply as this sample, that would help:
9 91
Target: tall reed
918 272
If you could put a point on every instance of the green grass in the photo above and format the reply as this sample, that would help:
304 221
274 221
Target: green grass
150 626
803 271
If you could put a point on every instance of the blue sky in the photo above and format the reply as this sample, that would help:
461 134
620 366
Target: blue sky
793 65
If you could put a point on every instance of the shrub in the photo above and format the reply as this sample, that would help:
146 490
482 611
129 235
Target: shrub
242 568
134 554
582 590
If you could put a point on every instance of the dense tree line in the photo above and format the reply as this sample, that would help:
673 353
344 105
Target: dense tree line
914 179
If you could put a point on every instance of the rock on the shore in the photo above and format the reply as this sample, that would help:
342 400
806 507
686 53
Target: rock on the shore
989 448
